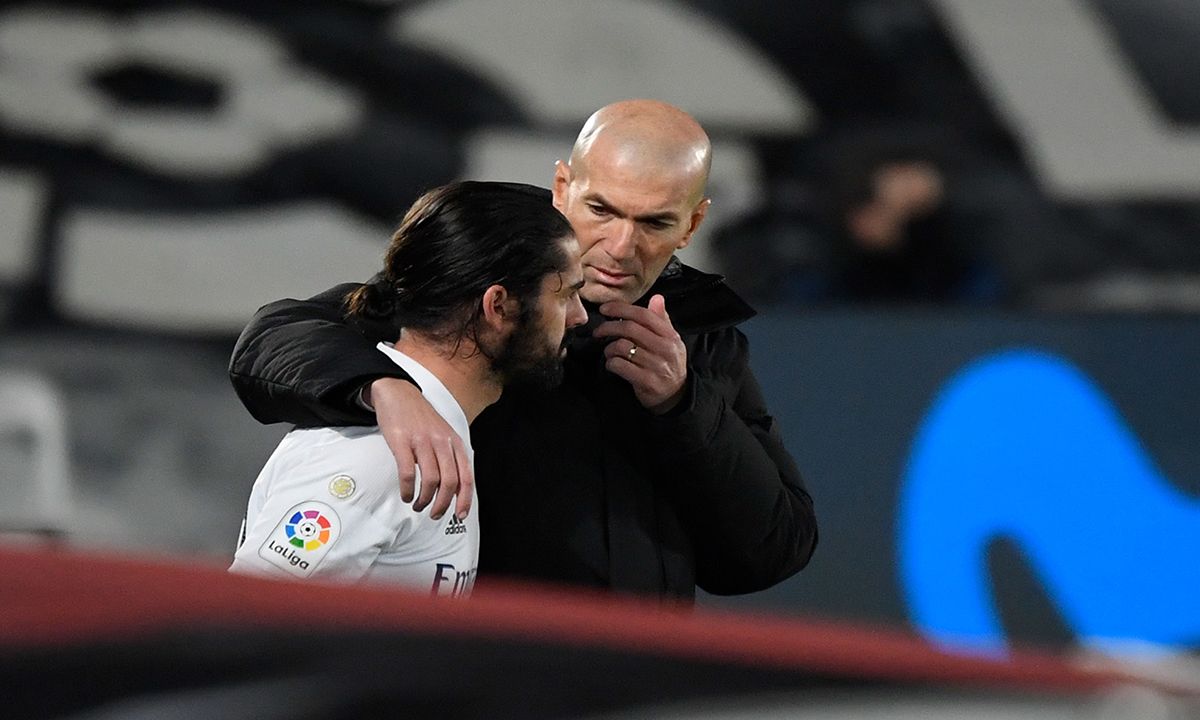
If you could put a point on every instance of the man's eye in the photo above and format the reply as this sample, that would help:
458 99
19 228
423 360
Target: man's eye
599 210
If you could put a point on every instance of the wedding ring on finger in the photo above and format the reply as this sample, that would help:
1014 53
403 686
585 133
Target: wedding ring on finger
632 352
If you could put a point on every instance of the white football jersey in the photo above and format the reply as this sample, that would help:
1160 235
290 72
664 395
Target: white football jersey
327 505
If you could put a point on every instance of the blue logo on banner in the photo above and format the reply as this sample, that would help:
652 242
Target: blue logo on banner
1022 446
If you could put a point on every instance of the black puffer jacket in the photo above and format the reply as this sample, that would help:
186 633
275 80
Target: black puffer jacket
581 485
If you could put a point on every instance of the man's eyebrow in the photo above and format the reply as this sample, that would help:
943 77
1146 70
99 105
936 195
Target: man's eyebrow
663 216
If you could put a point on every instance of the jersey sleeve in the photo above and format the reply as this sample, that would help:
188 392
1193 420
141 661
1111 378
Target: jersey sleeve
326 510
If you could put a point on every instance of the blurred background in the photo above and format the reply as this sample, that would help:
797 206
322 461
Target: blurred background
971 228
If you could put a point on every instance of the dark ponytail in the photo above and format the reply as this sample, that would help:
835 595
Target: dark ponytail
373 300
455 242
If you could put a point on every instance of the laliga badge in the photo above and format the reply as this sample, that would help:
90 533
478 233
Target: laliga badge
302 538
342 487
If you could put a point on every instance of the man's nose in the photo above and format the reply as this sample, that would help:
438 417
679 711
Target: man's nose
576 315
622 240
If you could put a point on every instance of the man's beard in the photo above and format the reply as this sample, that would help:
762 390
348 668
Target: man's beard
526 359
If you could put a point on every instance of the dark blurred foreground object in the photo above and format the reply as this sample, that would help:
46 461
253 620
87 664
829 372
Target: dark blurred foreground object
92 636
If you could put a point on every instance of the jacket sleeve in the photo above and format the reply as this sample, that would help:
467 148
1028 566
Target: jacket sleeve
302 362
739 492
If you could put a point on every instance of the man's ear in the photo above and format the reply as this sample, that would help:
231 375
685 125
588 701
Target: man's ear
499 307
697 217
562 184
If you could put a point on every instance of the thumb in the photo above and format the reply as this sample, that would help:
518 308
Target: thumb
658 306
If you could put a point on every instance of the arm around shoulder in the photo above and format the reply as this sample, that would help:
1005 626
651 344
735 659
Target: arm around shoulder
300 361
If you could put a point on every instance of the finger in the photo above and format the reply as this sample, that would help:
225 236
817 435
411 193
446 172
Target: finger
617 308
632 331
625 311
638 377
430 475
466 483
406 468
620 350
640 315
658 306
448 467
646 320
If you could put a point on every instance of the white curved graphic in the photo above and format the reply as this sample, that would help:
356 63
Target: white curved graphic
562 59
49 54
208 271
1054 69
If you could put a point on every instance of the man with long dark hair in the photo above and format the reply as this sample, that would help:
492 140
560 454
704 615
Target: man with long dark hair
479 285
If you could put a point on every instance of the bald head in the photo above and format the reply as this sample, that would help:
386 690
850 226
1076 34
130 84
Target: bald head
633 191
646 138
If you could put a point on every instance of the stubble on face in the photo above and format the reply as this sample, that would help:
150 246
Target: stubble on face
527 357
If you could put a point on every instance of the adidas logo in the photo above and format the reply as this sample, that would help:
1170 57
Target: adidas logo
456 526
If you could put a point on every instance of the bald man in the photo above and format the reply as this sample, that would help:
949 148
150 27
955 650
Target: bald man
655 467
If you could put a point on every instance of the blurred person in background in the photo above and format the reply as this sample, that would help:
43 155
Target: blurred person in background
869 217
904 222
480 283
656 467
892 239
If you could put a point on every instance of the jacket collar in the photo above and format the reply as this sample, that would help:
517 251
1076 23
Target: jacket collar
698 302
